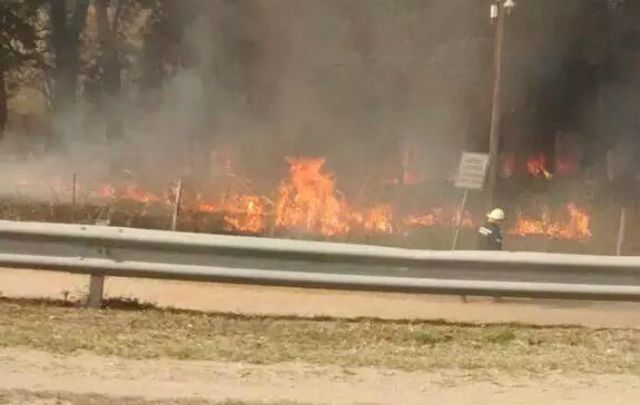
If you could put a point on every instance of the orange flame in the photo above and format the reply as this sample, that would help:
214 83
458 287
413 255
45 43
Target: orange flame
537 166
135 193
378 219
578 226
208 207
105 191
130 192
440 217
246 214
308 200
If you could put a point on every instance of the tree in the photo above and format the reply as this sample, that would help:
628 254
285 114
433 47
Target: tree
110 65
68 18
17 44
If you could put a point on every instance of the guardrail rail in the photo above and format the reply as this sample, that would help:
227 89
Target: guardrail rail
101 251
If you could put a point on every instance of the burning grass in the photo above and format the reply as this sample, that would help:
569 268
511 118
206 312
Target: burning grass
154 333
576 227
306 203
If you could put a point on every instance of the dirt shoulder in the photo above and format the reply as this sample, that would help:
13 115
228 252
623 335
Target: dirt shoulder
21 397
41 378
401 345
56 353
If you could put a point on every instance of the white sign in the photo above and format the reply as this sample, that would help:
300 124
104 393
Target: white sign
472 171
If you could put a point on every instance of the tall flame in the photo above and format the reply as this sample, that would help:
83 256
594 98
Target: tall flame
578 226
308 200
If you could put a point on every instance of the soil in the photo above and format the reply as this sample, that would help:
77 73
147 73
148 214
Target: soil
151 333
261 352
73 379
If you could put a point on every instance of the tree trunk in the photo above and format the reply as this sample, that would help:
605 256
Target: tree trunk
111 71
66 31
3 104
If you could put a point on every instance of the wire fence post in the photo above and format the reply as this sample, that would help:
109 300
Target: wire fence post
622 231
74 188
176 206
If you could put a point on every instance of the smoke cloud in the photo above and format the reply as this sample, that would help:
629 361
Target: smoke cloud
361 82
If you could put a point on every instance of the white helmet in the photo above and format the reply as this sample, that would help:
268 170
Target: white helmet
496 215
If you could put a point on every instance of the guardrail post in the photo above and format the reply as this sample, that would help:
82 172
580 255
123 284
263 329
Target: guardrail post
96 291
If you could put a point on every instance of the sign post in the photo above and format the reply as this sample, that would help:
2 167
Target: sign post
471 176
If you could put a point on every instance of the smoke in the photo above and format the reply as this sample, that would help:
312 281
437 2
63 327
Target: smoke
356 81
360 82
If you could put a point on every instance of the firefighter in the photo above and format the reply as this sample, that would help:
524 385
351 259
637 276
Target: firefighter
490 234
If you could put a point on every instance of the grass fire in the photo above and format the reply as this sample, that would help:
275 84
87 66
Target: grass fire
338 122
308 202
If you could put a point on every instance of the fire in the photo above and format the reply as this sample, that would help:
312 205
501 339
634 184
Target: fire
378 219
578 226
135 193
246 214
130 192
429 219
537 166
105 191
440 217
208 207
308 200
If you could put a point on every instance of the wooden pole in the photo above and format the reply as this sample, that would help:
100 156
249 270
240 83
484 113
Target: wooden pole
622 230
176 206
463 207
496 108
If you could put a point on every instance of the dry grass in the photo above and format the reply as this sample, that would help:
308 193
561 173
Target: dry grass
153 333
19 397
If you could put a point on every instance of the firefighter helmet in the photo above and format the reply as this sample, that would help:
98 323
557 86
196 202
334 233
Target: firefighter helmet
496 215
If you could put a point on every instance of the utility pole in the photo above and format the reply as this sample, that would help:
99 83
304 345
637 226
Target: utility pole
499 10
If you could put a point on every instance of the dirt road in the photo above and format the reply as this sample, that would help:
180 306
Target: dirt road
299 302
300 383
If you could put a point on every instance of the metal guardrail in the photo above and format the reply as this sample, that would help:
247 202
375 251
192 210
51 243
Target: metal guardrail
124 252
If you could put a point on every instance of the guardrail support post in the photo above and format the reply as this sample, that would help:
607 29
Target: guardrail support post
96 291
